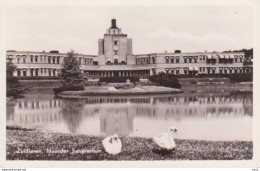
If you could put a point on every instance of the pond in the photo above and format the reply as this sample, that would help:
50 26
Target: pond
200 115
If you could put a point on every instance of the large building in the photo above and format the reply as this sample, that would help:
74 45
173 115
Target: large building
115 58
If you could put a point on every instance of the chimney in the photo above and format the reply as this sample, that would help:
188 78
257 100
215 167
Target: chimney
113 23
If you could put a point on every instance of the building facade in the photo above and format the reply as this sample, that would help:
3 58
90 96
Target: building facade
115 58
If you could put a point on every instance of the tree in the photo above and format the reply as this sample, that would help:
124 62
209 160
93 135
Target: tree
13 86
70 74
10 67
70 69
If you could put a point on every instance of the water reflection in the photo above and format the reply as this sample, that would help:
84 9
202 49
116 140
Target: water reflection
223 113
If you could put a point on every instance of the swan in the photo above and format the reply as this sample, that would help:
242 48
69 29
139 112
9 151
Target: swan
166 140
112 144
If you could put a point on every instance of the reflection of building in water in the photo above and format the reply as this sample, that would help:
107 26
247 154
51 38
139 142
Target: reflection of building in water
117 114
116 120
182 106
248 106
37 111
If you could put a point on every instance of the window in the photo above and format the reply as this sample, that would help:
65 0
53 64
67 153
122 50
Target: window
24 60
24 73
177 59
167 59
115 42
49 59
195 60
53 60
18 59
115 52
36 58
115 61
153 60
172 60
18 73
190 60
185 60
58 60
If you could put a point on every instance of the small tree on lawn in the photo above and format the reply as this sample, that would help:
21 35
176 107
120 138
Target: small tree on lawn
70 70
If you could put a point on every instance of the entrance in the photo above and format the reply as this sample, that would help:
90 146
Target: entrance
36 72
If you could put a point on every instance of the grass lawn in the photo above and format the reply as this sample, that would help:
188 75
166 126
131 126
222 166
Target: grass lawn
24 144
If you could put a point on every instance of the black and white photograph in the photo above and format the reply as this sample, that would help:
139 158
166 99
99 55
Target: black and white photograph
129 82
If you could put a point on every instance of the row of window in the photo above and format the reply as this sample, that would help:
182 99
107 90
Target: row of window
204 57
142 61
86 61
191 59
208 60
209 70
51 60
36 59
37 71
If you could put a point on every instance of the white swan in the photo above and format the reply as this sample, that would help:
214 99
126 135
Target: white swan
112 144
166 140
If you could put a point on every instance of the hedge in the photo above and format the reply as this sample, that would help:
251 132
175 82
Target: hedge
246 77
68 88
166 80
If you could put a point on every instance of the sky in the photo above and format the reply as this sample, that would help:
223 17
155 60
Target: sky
153 29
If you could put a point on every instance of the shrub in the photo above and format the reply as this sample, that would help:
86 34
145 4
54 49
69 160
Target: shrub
68 88
193 82
13 87
166 80
245 77
132 79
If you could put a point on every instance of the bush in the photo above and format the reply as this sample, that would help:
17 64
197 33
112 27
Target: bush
166 80
68 88
132 79
13 87
15 93
193 82
245 77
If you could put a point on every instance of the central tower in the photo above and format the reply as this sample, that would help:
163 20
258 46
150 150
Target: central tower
115 47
